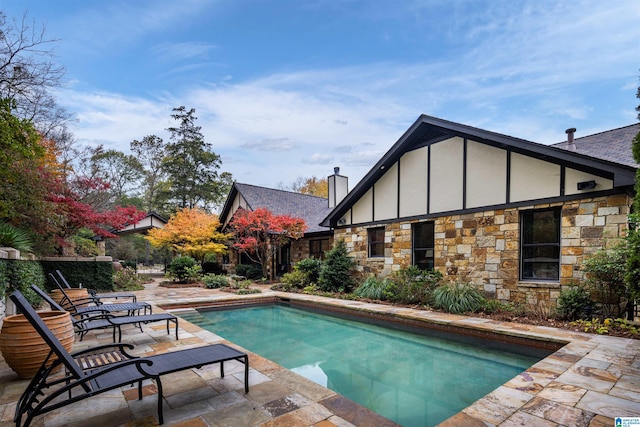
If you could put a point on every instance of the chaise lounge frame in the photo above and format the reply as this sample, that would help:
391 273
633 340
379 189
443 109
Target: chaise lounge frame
101 319
46 392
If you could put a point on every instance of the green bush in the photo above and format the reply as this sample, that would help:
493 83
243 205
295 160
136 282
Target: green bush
311 267
605 272
458 298
412 285
215 281
374 288
250 271
13 237
297 279
336 272
492 306
182 269
22 274
573 302
127 280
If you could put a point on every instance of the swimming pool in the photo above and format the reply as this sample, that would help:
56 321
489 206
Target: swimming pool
414 379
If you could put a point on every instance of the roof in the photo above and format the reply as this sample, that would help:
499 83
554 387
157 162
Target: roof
613 145
427 130
312 209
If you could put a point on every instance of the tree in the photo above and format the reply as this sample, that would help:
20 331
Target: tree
150 153
28 72
191 232
335 275
632 275
191 165
122 172
312 186
259 233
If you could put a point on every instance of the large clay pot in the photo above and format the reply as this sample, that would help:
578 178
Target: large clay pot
75 294
22 347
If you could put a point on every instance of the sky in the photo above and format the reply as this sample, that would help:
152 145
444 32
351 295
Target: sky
288 89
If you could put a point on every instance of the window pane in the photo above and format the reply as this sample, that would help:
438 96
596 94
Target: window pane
376 242
540 246
423 243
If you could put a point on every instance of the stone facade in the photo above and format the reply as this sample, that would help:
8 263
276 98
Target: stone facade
484 247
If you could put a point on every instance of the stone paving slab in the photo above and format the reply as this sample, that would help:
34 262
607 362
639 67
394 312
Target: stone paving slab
589 381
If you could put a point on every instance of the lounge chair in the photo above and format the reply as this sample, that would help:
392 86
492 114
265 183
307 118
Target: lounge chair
47 392
100 319
85 305
93 293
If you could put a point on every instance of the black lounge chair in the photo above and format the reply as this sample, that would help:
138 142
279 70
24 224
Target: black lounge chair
48 392
93 293
100 319
83 306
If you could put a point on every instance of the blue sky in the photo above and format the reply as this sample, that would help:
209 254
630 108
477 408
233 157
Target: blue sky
291 88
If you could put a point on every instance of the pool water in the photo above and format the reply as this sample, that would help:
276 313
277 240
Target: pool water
412 379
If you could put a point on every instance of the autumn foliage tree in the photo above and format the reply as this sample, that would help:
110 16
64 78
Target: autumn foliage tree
192 232
259 233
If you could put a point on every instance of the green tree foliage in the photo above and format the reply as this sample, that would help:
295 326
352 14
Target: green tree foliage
632 275
191 165
150 153
122 172
336 274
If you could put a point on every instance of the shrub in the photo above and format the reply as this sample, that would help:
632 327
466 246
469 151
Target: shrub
250 271
16 238
492 306
127 279
22 274
311 267
297 279
131 263
412 285
181 269
373 288
215 281
605 272
335 275
572 302
458 298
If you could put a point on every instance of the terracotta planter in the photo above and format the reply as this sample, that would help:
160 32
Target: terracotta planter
75 294
22 347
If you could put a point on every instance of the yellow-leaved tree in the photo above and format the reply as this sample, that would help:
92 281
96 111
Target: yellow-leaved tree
192 232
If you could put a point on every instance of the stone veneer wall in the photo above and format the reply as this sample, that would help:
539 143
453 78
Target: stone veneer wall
483 247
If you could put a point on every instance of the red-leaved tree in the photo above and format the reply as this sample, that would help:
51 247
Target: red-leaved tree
75 210
259 234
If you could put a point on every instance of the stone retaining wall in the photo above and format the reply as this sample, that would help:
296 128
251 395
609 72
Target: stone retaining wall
484 247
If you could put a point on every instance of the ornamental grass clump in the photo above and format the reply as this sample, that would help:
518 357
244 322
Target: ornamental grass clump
373 288
458 298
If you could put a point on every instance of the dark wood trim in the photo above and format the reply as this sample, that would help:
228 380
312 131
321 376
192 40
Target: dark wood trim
508 189
464 173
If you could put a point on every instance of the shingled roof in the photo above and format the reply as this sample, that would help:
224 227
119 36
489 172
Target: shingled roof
312 209
612 145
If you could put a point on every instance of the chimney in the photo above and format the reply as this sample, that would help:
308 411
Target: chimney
571 146
338 187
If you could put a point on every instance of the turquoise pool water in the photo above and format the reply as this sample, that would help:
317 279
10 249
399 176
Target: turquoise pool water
412 379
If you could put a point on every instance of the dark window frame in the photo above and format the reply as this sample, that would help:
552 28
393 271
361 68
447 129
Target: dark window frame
540 254
375 242
428 247
318 252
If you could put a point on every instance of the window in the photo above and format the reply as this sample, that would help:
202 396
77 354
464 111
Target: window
376 242
423 243
540 245
318 247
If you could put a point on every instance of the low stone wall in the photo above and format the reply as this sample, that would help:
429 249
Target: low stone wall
484 247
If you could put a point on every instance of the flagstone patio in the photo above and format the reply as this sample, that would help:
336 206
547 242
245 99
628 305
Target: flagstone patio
588 382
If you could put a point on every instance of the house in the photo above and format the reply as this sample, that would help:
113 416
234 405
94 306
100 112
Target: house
513 216
317 238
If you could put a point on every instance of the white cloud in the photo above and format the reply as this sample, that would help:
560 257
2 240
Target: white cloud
275 144
318 159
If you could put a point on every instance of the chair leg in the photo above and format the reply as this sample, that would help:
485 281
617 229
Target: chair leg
159 387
